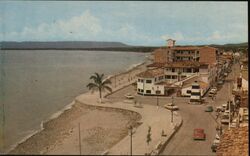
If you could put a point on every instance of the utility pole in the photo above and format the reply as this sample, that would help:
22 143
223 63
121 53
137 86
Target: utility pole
172 109
229 102
131 135
80 146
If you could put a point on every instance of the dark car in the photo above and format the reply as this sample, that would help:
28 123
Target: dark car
214 147
199 134
209 109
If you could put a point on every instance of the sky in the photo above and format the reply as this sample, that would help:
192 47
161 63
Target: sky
148 23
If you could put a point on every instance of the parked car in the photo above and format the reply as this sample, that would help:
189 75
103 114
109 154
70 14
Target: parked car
234 123
209 109
215 143
129 96
219 109
220 82
224 106
225 118
171 106
199 134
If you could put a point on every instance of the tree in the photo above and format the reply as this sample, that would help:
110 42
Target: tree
99 84
149 135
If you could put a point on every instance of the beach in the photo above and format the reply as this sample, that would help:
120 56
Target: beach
101 128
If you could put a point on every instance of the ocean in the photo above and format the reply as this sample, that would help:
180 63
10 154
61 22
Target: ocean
35 84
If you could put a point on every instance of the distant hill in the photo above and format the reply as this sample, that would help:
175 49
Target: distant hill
104 46
61 45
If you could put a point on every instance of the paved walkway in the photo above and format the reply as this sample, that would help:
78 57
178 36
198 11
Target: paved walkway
159 119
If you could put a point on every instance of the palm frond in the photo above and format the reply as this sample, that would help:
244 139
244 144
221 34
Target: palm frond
92 86
107 88
106 82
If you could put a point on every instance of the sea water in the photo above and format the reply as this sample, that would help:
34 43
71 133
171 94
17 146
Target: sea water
35 84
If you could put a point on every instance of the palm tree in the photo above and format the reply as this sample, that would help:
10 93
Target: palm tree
99 84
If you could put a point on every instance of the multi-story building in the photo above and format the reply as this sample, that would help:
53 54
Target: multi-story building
178 63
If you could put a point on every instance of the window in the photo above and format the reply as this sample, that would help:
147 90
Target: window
189 70
173 70
195 87
148 91
139 90
148 81
196 70
174 77
141 80
158 92
196 93
142 90
155 79
188 91
168 76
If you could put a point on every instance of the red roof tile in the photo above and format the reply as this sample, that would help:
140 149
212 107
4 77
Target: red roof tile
151 73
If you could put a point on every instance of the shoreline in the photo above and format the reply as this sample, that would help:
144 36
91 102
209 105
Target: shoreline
69 106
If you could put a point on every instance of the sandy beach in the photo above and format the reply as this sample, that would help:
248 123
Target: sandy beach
101 128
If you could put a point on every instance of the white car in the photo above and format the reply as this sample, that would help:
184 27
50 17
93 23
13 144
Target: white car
219 109
212 92
171 106
129 96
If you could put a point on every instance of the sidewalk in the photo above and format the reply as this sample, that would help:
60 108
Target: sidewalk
159 119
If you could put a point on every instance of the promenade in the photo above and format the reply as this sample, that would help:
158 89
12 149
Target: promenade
159 119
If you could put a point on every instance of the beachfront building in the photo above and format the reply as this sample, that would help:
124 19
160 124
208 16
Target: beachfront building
177 64
188 88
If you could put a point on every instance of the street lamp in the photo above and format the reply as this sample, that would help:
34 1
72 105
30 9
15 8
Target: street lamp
157 98
131 134
80 146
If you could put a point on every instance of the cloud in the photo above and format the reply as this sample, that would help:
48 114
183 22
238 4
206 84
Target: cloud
214 37
85 26
176 36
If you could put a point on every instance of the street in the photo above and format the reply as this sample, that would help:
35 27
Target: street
194 116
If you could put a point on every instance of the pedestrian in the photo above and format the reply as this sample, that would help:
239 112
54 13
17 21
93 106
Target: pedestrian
217 115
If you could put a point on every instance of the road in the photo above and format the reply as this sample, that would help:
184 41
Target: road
193 117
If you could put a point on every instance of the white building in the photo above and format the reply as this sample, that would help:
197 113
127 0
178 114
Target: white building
147 82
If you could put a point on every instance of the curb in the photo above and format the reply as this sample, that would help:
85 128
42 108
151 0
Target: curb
170 137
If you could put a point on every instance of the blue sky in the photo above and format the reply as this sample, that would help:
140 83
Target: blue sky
135 23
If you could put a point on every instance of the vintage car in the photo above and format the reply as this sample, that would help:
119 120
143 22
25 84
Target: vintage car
199 134
209 109
171 106
129 96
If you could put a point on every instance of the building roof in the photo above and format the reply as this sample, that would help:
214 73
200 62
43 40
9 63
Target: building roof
234 142
181 64
185 48
189 82
151 73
